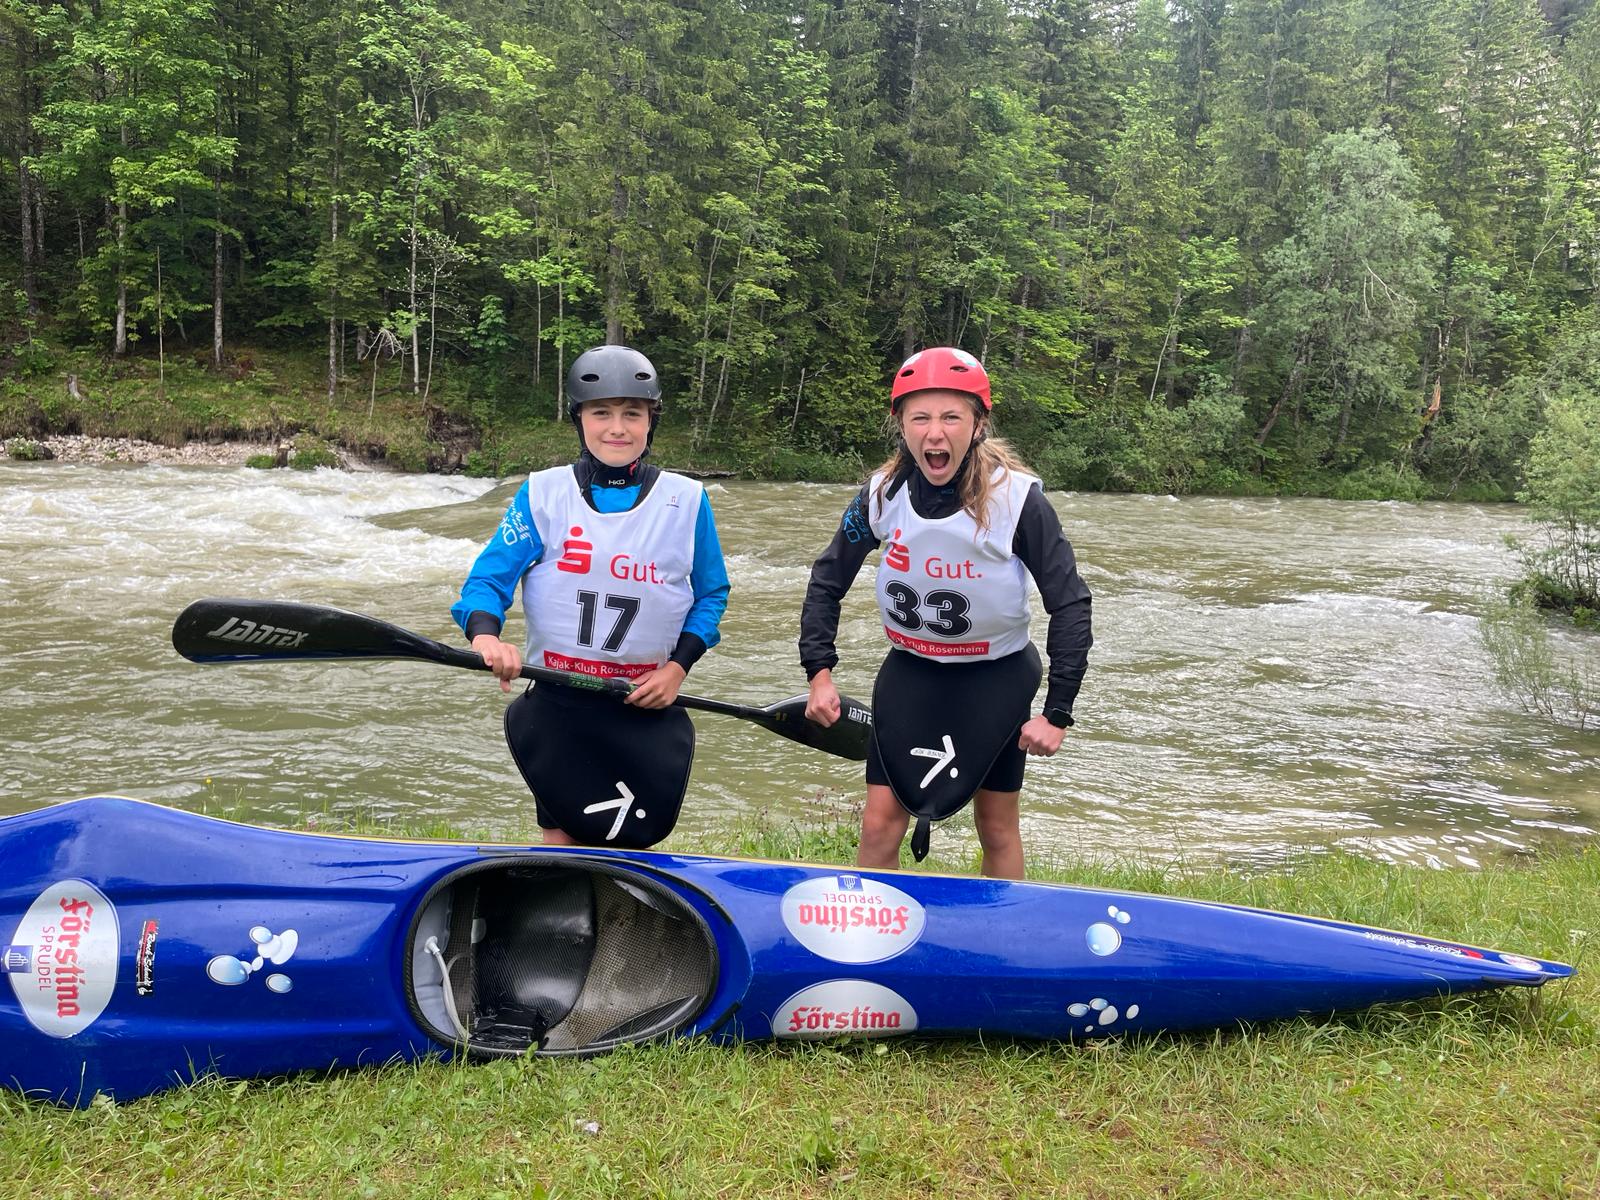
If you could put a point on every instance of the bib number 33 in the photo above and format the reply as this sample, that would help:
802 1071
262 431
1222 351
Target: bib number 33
941 612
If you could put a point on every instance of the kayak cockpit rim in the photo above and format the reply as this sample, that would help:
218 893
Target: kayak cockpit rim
558 954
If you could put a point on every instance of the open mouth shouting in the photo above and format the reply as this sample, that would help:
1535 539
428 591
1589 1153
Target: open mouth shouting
939 428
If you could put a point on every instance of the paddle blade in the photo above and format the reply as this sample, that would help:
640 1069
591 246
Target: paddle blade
848 737
233 630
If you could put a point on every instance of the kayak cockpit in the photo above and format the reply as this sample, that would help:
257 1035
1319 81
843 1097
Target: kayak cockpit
560 957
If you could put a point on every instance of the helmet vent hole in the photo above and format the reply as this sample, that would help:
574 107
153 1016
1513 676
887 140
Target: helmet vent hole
642 375
590 377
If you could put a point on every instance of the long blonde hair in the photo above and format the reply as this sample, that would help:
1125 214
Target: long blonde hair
990 463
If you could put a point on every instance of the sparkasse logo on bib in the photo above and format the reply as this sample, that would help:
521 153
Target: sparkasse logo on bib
576 555
897 555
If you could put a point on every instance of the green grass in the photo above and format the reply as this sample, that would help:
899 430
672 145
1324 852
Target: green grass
1491 1096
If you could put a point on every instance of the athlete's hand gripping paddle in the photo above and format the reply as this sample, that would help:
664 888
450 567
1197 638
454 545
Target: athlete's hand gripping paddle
228 630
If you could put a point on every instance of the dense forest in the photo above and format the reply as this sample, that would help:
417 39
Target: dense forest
1201 244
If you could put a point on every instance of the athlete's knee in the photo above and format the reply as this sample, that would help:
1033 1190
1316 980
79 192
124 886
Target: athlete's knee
883 825
998 824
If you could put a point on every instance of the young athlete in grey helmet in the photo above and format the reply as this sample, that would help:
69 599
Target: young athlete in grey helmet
621 576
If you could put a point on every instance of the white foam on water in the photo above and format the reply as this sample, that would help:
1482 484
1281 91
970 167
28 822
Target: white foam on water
253 530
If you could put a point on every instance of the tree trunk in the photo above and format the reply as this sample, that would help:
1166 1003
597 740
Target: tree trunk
411 289
538 326
335 321
29 287
418 114
30 240
705 336
1346 403
727 344
433 329
216 281
1167 339
1288 390
333 303
799 391
119 345
1021 331
161 338
614 264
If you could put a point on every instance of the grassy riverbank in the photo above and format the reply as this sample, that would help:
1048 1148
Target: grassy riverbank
273 395
482 424
1490 1096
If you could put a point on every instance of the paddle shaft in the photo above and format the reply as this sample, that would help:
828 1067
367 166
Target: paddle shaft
237 630
473 661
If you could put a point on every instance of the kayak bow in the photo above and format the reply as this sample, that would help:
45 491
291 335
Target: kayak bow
144 946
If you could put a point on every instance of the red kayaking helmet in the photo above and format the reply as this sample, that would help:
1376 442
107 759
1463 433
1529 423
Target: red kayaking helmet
940 367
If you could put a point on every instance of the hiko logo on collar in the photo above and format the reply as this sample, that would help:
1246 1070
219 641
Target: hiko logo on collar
235 629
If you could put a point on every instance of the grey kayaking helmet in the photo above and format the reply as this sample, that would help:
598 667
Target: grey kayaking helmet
612 373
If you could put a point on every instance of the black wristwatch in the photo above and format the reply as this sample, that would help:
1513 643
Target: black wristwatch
1061 718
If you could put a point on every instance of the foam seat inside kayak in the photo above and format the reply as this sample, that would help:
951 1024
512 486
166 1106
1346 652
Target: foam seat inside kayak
556 959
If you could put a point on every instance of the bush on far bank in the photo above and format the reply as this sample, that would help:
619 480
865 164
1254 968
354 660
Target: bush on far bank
1562 561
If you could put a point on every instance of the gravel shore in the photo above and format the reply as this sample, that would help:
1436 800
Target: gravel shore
130 450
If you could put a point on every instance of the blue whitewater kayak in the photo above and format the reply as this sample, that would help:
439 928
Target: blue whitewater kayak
143 947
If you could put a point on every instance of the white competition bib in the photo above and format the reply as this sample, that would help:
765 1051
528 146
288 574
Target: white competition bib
610 594
946 589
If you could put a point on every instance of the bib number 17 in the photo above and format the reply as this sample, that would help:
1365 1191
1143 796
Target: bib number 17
626 608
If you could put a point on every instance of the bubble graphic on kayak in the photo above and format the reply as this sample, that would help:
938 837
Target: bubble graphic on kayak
276 948
1105 1013
1103 936
227 970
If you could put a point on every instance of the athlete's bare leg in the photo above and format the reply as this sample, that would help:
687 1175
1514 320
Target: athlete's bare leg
558 837
883 828
998 817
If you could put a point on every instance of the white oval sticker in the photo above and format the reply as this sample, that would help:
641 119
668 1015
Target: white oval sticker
844 1007
852 919
67 945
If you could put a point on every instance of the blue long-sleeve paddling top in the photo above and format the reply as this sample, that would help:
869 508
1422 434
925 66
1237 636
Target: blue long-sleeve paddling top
491 587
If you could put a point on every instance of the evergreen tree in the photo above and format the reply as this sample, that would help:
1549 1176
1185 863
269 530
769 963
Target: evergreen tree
130 117
1342 299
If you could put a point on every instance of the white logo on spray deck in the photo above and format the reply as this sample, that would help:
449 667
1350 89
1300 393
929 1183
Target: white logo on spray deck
851 919
841 1007
72 928
945 756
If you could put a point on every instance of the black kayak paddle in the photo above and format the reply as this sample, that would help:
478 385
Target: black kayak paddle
228 630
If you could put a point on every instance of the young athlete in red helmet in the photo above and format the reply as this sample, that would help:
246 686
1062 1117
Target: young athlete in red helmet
960 521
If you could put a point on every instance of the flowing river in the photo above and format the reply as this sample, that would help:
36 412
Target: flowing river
1271 677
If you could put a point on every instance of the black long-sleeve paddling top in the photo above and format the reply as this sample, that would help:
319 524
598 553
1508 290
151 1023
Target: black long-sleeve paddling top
1039 543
